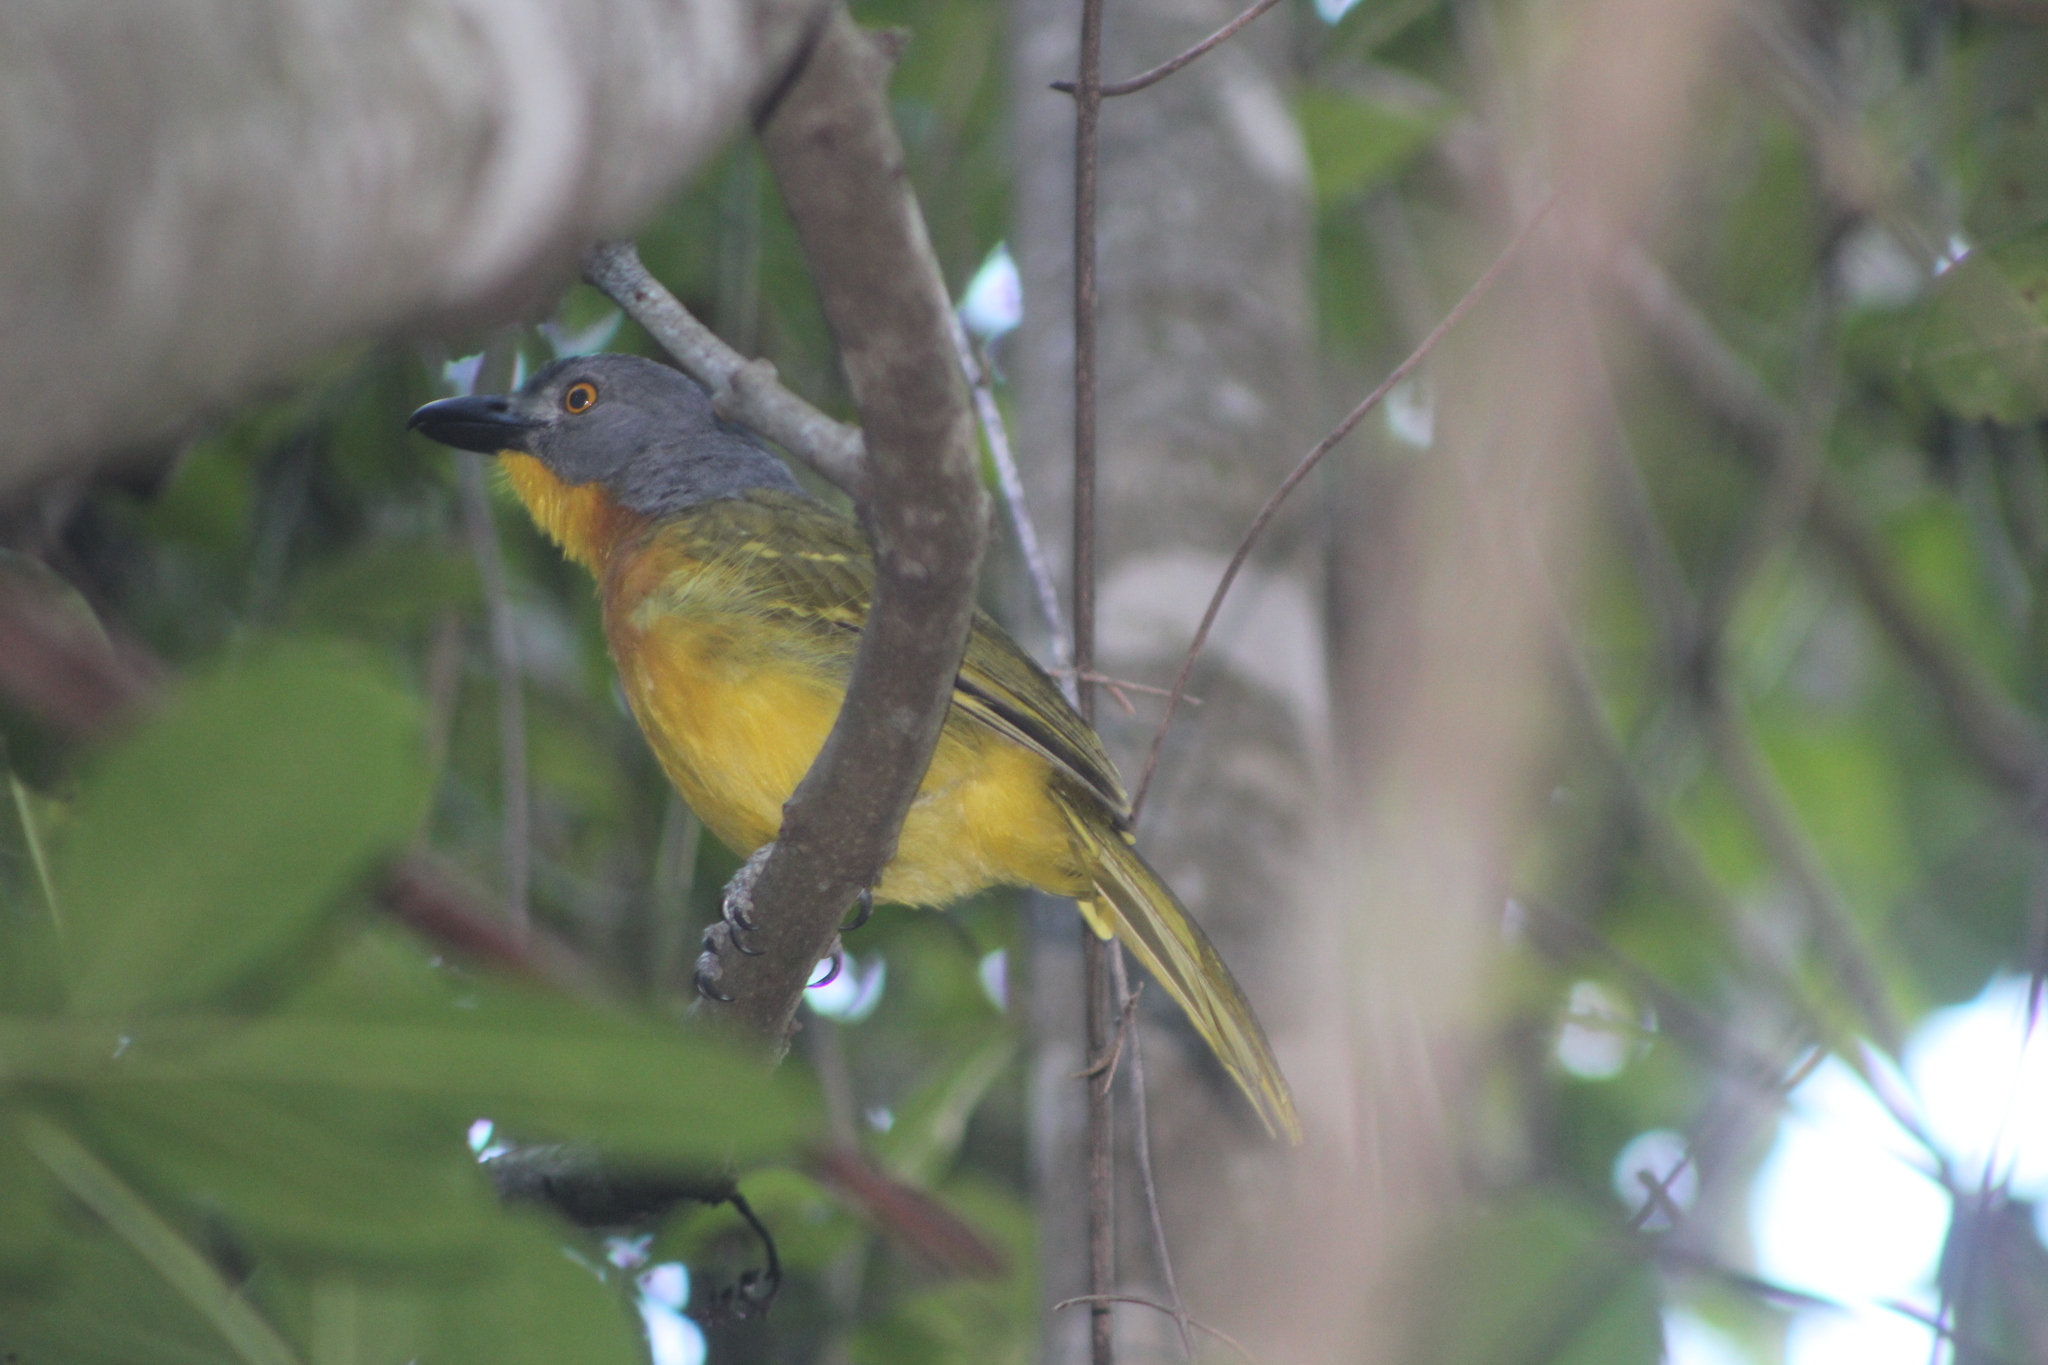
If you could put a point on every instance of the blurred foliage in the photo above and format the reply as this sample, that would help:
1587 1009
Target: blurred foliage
233 1097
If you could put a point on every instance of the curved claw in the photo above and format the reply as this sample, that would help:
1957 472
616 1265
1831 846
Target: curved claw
863 908
707 986
707 970
838 961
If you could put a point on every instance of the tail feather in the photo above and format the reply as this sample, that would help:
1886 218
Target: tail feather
1132 904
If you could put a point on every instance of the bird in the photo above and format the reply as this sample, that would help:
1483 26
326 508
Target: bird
733 603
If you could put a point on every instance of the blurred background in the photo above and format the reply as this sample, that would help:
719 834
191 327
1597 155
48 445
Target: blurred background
1620 779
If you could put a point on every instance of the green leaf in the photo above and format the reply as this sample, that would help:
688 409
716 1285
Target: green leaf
218 837
102 1304
631 1089
28 1199
1983 340
1547 1281
525 1302
175 1260
322 1173
1358 141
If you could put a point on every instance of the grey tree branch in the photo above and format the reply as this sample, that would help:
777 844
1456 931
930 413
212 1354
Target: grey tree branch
742 390
835 155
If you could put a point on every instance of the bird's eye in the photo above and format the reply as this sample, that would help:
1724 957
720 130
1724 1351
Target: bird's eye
579 398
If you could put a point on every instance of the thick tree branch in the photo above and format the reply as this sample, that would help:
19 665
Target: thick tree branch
742 390
835 154
433 164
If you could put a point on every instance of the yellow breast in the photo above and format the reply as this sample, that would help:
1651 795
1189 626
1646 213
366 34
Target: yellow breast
736 706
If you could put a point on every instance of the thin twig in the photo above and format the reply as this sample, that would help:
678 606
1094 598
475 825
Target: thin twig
1228 1340
1125 684
1103 1069
1658 1188
1304 468
482 531
1095 953
1141 1149
1035 563
1173 64
742 390
425 895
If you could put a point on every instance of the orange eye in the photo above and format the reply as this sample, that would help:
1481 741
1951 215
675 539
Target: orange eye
579 398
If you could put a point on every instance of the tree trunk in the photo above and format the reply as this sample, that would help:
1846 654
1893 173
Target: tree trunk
1205 384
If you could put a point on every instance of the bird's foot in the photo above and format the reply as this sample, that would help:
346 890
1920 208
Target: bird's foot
711 965
862 909
739 899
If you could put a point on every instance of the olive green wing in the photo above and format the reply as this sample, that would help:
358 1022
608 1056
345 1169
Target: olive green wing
778 555
809 565
1001 686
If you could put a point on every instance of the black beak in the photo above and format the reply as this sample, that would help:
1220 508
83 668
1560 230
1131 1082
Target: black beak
487 423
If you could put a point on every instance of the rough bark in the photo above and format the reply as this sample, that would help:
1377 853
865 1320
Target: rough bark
839 165
1205 354
200 196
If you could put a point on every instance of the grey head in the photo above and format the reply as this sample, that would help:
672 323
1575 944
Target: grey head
644 431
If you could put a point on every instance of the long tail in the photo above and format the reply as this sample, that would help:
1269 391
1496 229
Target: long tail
1131 903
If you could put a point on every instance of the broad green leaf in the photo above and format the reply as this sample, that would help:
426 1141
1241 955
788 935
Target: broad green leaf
631 1089
219 836
173 1259
28 1204
324 1175
1982 345
1356 141
529 1303
102 1304
1545 1280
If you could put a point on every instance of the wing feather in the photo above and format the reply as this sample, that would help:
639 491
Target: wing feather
812 567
